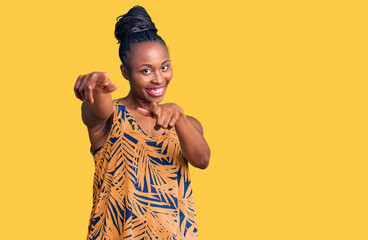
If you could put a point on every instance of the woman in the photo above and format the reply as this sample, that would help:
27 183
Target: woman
142 187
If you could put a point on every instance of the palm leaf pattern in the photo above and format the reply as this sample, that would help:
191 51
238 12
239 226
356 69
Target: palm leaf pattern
141 187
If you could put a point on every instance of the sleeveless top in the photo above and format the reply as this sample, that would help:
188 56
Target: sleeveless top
141 188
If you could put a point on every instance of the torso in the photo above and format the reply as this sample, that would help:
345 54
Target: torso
142 187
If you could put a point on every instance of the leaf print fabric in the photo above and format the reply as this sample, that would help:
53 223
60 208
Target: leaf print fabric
142 187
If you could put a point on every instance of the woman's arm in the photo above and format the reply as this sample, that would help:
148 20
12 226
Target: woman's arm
96 89
192 142
189 130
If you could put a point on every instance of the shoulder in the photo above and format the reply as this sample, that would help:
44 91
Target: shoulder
196 124
120 101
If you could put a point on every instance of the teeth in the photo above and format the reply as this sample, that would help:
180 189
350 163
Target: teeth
157 91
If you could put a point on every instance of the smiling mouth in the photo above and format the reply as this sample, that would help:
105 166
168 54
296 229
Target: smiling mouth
156 92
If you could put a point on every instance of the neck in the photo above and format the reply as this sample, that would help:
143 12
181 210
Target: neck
134 102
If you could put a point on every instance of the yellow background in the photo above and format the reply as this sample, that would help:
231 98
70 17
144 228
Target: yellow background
279 86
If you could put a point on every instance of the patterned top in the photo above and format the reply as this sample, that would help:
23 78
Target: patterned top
142 187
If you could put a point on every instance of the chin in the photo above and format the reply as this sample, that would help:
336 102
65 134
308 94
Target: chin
157 100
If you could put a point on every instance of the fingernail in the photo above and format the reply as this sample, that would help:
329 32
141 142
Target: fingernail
91 102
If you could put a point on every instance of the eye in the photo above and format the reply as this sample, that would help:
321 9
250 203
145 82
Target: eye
146 71
165 67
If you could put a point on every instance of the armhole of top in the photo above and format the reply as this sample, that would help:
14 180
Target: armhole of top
110 132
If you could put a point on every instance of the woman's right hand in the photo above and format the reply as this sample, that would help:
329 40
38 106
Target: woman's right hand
88 85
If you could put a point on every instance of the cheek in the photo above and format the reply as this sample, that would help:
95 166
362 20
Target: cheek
137 80
169 75
134 84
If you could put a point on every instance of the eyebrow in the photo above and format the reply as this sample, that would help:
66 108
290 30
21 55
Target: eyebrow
149 65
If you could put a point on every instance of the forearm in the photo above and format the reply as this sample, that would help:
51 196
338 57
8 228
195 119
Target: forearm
99 111
192 142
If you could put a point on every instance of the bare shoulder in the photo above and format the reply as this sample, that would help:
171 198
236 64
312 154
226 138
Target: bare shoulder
196 124
121 101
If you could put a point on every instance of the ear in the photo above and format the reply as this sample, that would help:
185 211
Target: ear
124 71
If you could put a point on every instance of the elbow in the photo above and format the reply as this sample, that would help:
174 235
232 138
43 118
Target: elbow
199 159
204 161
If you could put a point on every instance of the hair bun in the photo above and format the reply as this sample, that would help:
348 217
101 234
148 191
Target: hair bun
134 21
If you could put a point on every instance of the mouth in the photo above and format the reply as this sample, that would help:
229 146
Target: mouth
156 91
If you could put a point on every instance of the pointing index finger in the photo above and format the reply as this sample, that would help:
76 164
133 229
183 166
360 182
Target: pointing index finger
145 112
153 108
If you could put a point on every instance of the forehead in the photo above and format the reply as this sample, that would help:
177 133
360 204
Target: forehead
147 53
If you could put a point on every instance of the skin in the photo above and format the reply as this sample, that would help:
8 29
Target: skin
148 68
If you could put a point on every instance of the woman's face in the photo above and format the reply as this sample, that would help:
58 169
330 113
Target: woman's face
149 71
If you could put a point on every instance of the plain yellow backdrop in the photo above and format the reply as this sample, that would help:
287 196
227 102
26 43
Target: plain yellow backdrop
279 86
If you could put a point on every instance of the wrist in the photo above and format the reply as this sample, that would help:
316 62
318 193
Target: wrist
182 117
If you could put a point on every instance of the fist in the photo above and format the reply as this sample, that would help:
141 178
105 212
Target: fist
166 115
93 83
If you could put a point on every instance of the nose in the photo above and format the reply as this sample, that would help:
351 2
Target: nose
158 78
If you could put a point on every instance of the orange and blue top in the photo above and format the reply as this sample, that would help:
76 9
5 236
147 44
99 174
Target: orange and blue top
142 188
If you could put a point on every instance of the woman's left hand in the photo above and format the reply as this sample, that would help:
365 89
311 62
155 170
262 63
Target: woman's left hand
166 114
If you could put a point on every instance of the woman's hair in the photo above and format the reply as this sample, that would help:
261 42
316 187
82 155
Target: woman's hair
134 27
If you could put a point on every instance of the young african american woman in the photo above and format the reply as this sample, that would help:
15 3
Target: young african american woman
141 148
